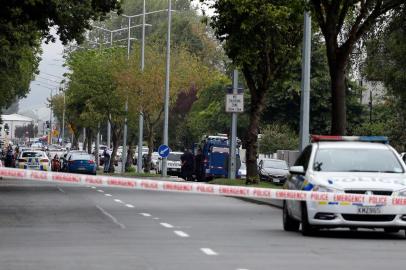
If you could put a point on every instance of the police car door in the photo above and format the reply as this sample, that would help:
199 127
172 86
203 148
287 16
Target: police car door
297 181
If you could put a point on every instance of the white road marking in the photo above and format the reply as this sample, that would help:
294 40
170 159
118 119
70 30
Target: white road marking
99 190
122 226
242 269
108 195
117 200
181 234
156 218
209 251
166 225
130 205
61 190
93 187
145 214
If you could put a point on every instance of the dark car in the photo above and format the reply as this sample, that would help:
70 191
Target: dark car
81 163
273 170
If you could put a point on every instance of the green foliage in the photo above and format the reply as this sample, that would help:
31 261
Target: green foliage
278 137
24 23
208 116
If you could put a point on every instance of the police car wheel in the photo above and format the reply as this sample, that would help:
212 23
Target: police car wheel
289 224
307 228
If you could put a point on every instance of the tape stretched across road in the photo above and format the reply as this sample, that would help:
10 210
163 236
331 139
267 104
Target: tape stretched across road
199 188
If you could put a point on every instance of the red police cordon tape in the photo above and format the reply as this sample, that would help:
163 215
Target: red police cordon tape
198 188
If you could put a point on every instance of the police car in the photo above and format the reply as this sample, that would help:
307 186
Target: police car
345 164
33 160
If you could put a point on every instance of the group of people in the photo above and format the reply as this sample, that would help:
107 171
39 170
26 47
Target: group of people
192 166
8 155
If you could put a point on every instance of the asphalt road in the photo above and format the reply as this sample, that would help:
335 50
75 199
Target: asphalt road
48 226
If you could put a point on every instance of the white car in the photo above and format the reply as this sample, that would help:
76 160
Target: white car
357 165
33 160
173 164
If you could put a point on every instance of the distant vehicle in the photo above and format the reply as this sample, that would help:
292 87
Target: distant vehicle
242 172
33 160
145 150
216 154
173 164
81 163
273 170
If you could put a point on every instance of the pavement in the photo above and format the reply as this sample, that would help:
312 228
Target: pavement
50 226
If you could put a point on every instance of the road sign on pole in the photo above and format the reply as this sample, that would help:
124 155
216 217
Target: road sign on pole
163 151
235 103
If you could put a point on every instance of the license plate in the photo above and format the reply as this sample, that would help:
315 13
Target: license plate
276 180
369 210
81 169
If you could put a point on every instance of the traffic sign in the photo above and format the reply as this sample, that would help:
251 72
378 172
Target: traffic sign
163 151
235 103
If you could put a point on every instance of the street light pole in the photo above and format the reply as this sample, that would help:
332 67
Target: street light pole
124 153
305 99
50 119
141 117
233 142
168 71
63 118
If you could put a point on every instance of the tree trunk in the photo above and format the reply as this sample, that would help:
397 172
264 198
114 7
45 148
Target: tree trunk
151 138
338 100
114 139
130 155
252 144
89 140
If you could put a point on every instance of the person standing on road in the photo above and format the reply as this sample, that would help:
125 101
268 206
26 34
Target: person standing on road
187 165
106 157
199 168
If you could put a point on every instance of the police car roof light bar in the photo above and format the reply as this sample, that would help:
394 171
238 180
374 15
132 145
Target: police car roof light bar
319 138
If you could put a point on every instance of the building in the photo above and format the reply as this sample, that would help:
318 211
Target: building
13 121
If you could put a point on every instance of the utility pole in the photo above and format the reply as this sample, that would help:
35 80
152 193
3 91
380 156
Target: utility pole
232 168
305 99
124 153
168 71
63 117
141 117
50 120
97 146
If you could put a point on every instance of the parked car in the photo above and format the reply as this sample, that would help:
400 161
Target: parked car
173 164
33 160
273 170
81 163
242 172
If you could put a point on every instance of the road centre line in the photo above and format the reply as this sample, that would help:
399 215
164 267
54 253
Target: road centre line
145 214
129 205
101 191
122 226
108 195
166 225
93 187
118 201
60 189
208 251
181 234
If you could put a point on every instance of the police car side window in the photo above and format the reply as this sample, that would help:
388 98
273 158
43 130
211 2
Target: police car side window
304 158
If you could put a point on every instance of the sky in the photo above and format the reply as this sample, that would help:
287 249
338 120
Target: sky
51 72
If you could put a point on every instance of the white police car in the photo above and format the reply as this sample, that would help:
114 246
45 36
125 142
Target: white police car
344 164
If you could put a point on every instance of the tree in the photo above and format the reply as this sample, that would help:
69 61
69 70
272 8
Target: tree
145 89
278 137
343 23
23 23
262 38
93 95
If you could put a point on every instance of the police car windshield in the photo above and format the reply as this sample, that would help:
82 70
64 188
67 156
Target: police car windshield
357 160
32 154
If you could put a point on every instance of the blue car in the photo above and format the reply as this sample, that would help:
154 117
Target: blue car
81 163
